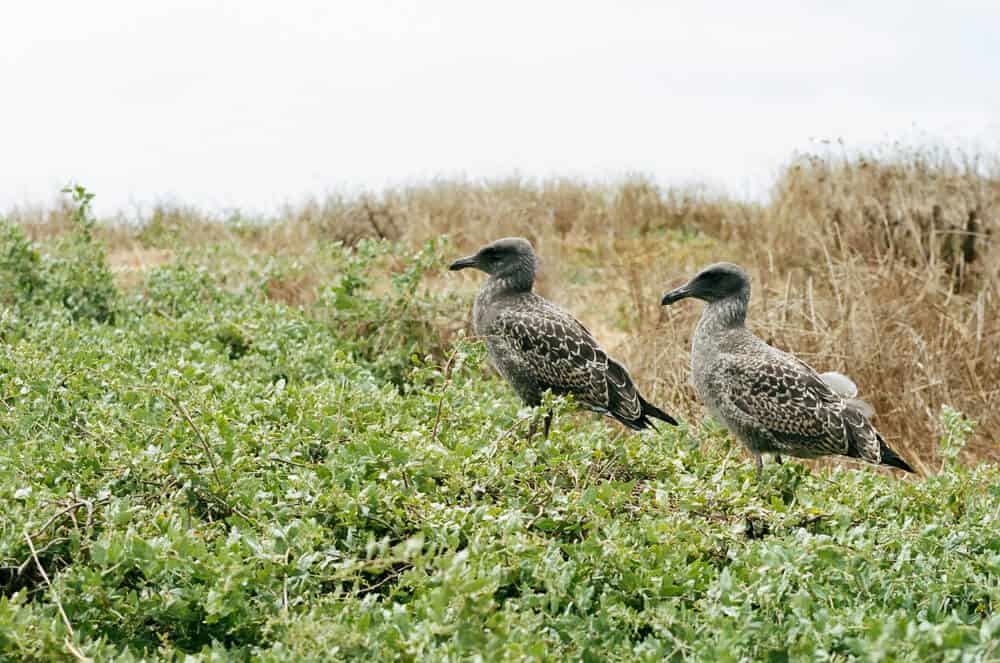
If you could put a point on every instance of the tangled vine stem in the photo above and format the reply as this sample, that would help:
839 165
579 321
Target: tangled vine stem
449 365
77 654
444 386
201 436
209 454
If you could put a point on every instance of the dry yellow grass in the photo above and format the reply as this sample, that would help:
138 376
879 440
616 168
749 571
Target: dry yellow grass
883 266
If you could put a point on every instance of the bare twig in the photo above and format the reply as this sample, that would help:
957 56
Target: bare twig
371 219
204 441
392 575
292 463
55 597
444 387
72 507
218 500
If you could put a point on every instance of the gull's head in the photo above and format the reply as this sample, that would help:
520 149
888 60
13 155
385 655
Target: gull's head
717 282
508 258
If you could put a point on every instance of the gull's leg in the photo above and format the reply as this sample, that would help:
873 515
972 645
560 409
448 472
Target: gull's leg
548 423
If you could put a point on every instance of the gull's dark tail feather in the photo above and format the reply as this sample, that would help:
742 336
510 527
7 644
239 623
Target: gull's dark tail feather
645 420
891 458
649 412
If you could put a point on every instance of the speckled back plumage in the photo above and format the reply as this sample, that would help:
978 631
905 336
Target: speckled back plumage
777 404
536 346
772 401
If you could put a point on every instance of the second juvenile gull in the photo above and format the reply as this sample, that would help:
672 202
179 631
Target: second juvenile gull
773 402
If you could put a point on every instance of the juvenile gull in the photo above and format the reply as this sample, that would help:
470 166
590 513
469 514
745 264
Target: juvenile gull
771 401
536 345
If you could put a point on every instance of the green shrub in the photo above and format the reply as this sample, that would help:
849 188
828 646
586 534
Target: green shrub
75 276
221 476
957 431
79 277
386 329
19 265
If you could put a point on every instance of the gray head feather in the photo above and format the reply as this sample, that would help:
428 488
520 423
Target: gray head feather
725 287
717 282
510 260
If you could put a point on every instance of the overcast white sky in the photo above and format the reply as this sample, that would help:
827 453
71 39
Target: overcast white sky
250 104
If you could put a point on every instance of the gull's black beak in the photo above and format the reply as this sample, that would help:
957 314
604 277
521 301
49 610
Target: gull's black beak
462 263
676 295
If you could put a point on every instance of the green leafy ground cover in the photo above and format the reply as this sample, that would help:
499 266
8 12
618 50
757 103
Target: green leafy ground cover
207 474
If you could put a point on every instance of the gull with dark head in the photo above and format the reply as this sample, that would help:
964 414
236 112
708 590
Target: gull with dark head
537 346
773 402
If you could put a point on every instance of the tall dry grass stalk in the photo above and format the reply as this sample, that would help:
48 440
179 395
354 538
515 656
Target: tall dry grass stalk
883 266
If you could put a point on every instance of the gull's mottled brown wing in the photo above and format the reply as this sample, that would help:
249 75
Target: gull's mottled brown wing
777 397
545 345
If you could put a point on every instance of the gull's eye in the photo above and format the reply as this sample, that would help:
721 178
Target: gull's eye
710 278
492 255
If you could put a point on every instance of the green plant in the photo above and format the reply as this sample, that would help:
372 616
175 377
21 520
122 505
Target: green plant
287 449
19 265
75 275
223 476
957 430
388 329
80 277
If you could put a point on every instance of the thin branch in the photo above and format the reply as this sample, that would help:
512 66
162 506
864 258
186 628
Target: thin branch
204 441
444 387
277 459
391 575
55 597
72 508
234 509
371 219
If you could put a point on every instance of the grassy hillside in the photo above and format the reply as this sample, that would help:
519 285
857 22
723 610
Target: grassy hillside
237 440
885 267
